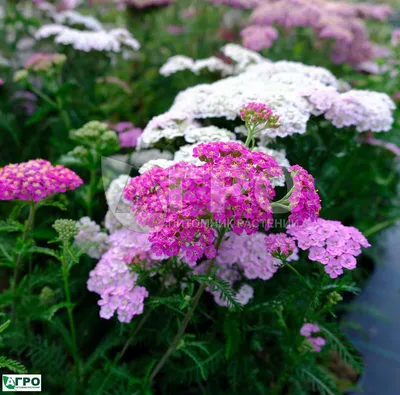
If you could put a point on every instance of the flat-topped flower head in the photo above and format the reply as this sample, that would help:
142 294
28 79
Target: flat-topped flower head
330 243
232 188
113 279
36 179
258 114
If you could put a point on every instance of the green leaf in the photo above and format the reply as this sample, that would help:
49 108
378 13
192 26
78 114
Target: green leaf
10 226
346 351
49 313
12 365
320 381
227 294
232 333
45 251
39 114
4 326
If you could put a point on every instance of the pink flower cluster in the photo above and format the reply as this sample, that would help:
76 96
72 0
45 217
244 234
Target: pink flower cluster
307 330
304 201
330 243
128 134
279 245
113 280
338 21
259 114
258 38
35 180
232 188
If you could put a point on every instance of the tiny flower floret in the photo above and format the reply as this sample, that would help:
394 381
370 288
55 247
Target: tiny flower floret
35 180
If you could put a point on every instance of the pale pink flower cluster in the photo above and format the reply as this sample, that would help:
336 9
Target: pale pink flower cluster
307 330
128 134
114 278
258 38
395 41
338 21
330 243
35 180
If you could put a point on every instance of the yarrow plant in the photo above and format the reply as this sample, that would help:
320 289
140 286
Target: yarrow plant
205 262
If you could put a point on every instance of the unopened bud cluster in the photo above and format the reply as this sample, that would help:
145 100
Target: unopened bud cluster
97 135
66 229
256 114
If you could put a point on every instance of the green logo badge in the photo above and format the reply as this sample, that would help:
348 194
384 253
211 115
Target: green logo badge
8 382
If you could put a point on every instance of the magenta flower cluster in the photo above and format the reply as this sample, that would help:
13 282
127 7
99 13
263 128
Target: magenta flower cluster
279 245
115 281
330 243
307 330
35 180
259 114
128 134
304 201
232 187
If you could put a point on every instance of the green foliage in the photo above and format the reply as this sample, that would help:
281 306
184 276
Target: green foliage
227 294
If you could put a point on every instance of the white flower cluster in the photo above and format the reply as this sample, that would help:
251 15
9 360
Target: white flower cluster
119 214
101 40
180 63
90 238
293 90
73 18
169 126
242 57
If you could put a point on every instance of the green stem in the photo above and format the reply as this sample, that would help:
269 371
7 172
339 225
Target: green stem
298 274
43 96
249 136
28 226
126 346
189 314
70 308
